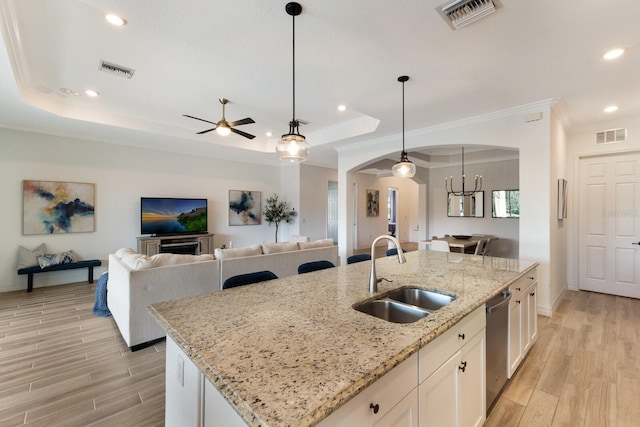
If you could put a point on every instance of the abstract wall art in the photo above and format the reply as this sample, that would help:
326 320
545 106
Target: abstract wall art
245 207
373 202
50 207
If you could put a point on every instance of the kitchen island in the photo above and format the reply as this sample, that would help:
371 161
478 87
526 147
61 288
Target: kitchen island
290 352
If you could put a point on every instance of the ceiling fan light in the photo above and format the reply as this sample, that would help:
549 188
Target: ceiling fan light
223 130
293 148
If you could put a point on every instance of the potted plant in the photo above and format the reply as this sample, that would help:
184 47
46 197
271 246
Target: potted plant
276 211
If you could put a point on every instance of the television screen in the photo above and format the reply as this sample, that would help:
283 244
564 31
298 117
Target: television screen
162 216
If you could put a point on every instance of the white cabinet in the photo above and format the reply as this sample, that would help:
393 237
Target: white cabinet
523 319
183 388
452 389
390 401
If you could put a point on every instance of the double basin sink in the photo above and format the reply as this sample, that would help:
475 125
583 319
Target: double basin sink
405 305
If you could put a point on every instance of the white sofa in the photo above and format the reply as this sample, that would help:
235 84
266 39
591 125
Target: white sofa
137 281
282 259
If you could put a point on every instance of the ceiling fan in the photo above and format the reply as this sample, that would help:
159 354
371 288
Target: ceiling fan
223 127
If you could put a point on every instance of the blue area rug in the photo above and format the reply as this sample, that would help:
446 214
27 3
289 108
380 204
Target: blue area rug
100 308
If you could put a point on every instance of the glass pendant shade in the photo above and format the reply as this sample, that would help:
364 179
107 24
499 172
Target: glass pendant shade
404 168
293 148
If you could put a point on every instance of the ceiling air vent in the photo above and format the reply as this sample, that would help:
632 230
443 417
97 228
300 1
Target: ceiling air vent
458 13
118 70
611 135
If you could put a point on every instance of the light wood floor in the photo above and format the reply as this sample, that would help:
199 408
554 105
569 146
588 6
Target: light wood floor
61 365
584 369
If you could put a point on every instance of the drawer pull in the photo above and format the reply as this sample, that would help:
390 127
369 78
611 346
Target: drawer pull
461 336
463 366
518 289
533 294
518 301
375 407
532 278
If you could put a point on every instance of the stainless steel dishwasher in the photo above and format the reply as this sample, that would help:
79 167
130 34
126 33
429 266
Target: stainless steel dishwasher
497 342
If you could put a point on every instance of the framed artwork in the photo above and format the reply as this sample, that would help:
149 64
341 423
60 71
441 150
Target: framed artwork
373 203
245 207
562 198
51 207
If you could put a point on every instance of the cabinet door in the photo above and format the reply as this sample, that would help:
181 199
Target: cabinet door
472 385
204 245
515 334
217 411
532 300
438 395
183 393
404 414
150 247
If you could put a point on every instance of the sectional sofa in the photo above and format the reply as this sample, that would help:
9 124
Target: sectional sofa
137 281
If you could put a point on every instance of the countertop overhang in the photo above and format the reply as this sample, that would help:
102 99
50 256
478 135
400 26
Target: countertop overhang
291 351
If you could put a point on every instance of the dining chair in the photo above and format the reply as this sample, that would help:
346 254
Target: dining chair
481 247
358 258
308 267
248 278
440 246
394 251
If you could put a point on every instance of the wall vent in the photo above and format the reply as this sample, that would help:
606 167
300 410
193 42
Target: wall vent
611 135
458 13
118 70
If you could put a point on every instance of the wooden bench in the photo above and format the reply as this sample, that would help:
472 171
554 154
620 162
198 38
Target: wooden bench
69 266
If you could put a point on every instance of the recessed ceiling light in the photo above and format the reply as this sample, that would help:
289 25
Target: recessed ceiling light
269 134
611 109
342 107
67 91
614 53
115 20
92 93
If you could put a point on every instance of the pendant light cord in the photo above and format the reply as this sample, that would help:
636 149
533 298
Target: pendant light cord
294 69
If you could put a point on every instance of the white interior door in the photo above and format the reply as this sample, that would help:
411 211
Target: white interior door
609 224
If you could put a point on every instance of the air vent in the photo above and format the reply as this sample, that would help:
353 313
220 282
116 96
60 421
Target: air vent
611 135
118 70
458 13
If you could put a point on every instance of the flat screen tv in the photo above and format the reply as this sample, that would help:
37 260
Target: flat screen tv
172 216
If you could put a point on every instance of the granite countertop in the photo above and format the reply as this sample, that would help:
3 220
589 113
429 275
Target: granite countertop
290 352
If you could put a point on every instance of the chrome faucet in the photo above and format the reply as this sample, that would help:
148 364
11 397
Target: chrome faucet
373 279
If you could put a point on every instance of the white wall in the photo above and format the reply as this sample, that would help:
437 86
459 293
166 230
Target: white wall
502 175
122 175
582 144
314 188
407 208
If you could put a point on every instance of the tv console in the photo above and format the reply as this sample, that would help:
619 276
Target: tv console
194 244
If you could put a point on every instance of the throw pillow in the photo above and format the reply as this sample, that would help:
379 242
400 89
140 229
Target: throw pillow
238 252
47 260
274 248
315 244
29 257
122 251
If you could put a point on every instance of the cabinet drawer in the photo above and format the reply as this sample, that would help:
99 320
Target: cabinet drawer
386 393
523 283
437 352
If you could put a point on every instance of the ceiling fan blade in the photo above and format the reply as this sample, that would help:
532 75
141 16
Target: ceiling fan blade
246 121
205 131
239 132
202 120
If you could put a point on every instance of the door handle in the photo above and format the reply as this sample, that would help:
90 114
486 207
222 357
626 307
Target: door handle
636 243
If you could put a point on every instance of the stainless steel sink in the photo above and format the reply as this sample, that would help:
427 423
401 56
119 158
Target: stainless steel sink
392 311
423 298
405 305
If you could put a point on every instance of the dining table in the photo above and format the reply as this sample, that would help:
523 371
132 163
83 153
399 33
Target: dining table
459 242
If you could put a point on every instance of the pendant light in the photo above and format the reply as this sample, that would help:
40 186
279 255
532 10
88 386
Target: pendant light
293 147
405 167
448 183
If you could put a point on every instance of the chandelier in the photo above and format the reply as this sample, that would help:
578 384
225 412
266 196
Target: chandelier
477 184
